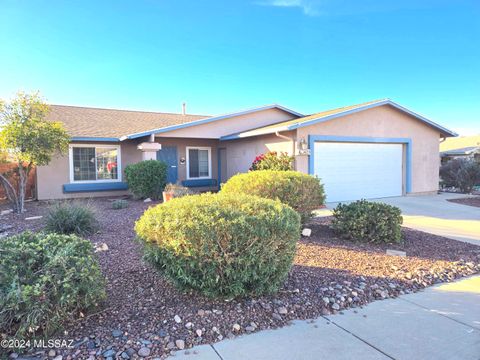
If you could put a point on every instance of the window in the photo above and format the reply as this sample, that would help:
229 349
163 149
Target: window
94 163
199 163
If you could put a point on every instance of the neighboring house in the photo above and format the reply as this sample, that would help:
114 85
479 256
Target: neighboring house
462 147
370 150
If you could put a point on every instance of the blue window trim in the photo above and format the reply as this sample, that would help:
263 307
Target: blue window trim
312 139
199 182
93 187
219 167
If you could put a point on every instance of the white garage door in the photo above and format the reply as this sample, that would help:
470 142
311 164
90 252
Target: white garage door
352 171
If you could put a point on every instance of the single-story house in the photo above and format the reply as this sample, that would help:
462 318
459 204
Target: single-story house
371 150
469 152
461 147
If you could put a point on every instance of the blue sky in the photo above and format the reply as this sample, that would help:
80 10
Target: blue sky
222 56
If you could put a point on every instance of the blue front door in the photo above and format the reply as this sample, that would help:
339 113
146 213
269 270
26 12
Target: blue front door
168 154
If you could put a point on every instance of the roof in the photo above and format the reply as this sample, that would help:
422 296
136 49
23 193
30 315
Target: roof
333 114
460 142
108 124
462 151
211 119
96 124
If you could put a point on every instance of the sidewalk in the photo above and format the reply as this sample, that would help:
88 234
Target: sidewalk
442 322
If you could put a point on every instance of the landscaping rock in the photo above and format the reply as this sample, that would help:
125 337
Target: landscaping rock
396 253
277 316
109 353
282 310
180 344
143 305
144 352
100 247
117 333
33 218
306 232
147 200
177 319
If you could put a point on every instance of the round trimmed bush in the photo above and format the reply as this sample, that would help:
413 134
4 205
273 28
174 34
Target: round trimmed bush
71 217
222 245
146 179
46 280
368 221
304 193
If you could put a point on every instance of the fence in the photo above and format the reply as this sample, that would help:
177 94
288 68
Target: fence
30 190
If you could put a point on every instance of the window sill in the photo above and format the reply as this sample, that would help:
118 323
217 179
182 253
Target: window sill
88 187
199 182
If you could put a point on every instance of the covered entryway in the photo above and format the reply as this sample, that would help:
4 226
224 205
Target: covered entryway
356 170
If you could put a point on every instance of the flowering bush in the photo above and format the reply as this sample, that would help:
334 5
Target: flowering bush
273 161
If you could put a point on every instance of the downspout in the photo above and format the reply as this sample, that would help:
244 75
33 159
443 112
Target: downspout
292 139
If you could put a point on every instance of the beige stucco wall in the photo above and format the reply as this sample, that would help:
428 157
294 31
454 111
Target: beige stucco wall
241 153
216 129
385 121
182 144
50 179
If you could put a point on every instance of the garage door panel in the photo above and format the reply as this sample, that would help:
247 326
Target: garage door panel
352 171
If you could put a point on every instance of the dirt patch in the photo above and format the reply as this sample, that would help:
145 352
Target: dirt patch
145 314
470 201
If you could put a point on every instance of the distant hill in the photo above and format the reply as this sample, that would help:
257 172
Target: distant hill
460 142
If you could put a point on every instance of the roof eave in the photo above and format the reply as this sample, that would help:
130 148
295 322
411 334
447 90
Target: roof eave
94 138
444 131
208 120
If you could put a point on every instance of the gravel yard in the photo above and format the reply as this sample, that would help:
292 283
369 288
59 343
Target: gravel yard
470 201
146 316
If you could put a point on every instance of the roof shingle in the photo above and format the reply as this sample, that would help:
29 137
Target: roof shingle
96 122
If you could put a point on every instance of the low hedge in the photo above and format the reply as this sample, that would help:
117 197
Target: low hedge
146 179
222 245
45 281
367 221
304 193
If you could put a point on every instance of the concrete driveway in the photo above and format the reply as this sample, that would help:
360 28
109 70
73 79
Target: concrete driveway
434 214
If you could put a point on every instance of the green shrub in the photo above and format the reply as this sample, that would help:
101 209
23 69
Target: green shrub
273 161
70 217
119 204
461 173
221 245
46 280
304 193
367 221
146 179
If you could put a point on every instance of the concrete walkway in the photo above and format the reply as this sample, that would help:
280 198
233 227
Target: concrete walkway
434 214
442 322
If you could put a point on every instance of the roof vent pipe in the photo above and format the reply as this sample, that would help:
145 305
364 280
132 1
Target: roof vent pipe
184 107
